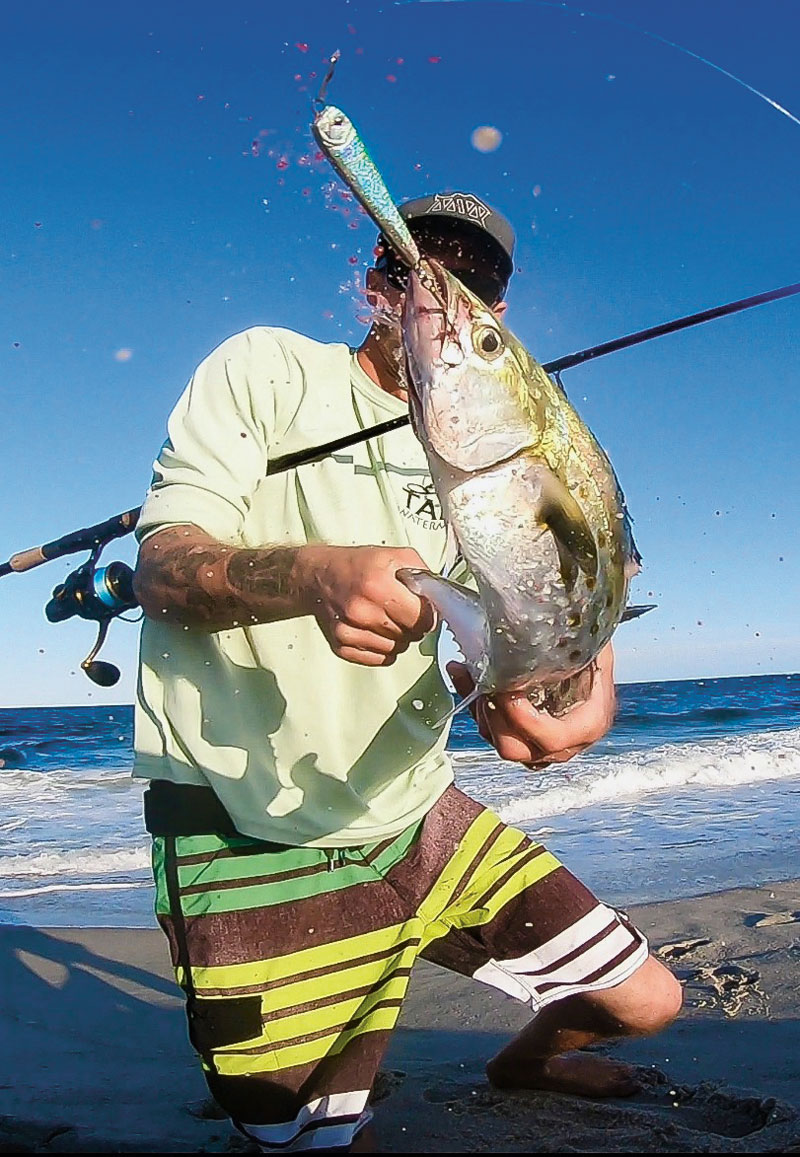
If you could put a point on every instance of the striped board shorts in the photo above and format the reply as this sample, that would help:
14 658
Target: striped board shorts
295 961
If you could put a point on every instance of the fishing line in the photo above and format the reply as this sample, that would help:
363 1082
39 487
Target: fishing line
623 24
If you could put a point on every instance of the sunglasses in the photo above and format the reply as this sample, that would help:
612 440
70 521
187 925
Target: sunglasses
488 289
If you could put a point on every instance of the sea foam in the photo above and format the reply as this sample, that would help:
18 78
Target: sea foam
522 796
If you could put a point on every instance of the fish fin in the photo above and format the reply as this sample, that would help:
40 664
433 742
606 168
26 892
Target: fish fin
564 518
459 607
634 611
457 708
567 565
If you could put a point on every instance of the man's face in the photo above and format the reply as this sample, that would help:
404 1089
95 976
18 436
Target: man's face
476 263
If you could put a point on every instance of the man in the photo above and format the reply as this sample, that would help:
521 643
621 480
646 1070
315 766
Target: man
308 841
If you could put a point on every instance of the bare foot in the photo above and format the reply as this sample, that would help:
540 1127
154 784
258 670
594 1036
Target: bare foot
583 1074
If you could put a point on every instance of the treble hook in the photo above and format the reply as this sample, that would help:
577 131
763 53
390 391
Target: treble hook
318 103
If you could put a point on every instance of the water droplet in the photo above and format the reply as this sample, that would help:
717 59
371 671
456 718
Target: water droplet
417 704
486 138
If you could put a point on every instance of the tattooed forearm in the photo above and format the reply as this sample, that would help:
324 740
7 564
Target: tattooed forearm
185 576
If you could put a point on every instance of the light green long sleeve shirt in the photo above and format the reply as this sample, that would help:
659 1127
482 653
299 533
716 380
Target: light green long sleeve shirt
301 746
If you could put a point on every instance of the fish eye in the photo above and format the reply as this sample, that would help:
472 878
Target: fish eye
488 342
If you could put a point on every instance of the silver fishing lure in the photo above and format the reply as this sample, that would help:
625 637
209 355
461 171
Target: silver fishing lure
338 139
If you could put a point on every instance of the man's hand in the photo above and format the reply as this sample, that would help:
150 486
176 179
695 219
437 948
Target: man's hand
520 732
367 615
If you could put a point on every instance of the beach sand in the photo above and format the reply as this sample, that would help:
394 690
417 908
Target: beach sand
95 1056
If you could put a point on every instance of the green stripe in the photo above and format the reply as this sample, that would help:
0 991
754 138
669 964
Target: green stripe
233 868
159 875
396 851
234 883
269 895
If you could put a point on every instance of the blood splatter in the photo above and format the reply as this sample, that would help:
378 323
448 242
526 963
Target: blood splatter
301 46
434 60
353 260
391 78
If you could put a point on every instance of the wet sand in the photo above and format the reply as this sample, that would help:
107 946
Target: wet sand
95 1056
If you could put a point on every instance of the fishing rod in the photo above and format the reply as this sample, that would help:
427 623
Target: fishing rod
101 594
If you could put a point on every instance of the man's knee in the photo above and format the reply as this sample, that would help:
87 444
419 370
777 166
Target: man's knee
645 1003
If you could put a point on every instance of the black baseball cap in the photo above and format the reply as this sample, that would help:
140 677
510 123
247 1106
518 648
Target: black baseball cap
468 214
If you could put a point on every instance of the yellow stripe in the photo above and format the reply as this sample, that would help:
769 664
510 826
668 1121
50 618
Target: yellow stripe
338 983
350 948
467 916
334 1016
237 1064
533 872
454 872
342 981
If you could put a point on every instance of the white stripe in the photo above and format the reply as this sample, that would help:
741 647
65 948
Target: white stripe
334 1105
329 1137
495 976
567 941
526 990
589 961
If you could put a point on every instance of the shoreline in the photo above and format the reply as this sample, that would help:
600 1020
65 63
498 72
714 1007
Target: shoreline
97 1057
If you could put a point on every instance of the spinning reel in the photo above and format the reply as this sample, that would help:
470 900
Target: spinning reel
99 594
96 593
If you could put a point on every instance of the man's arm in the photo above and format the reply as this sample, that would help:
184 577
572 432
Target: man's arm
367 615
186 576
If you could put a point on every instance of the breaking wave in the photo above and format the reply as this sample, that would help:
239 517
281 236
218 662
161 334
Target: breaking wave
591 780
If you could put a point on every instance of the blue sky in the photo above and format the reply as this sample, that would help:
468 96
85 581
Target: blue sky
160 193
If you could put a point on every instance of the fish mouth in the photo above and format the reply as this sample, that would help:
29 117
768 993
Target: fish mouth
428 312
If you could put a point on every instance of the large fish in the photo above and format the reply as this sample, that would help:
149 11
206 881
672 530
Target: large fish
529 494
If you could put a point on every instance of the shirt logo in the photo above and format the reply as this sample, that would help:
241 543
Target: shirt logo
422 505
463 205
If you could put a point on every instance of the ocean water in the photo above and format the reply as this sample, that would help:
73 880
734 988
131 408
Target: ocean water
695 789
